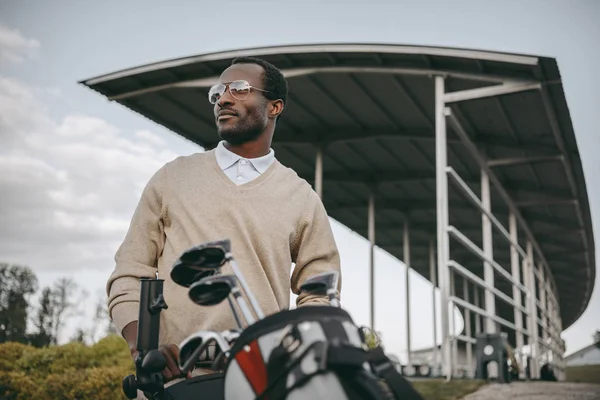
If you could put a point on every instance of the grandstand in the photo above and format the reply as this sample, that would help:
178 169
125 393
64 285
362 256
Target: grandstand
461 163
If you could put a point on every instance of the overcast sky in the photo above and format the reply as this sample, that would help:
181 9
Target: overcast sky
72 165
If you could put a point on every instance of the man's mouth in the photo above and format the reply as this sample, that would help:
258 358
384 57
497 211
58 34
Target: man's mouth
224 115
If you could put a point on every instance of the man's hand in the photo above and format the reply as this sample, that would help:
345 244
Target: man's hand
172 371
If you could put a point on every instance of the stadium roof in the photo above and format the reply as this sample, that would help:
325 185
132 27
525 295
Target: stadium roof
371 107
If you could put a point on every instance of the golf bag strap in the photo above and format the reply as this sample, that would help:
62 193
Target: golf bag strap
384 368
344 355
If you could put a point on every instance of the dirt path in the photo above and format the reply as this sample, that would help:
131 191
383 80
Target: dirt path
537 391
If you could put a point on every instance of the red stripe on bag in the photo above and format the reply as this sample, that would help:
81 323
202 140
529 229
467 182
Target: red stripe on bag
253 367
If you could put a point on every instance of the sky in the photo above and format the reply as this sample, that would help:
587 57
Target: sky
72 164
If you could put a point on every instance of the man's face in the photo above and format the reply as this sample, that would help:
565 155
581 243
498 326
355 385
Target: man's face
242 121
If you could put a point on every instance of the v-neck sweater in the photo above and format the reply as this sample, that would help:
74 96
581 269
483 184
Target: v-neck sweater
273 221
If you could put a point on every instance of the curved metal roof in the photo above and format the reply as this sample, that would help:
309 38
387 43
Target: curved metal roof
372 108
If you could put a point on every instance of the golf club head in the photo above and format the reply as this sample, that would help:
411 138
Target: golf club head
207 255
211 290
185 275
321 284
194 345
200 261
231 335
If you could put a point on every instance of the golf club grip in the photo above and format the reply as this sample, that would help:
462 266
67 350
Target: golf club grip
249 294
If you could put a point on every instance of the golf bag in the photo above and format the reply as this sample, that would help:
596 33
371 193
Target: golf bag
312 352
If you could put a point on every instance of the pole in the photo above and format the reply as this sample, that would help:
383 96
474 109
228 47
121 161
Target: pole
442 218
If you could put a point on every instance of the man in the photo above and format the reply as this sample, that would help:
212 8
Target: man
238 191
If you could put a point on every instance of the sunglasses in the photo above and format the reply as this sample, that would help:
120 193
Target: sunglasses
238 89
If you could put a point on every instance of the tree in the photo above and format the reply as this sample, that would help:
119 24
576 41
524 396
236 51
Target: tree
44 322
53 309
597 338
79 336
63 291
17 284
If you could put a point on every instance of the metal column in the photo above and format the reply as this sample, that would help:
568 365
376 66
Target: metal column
515 266
371 218
468 329
319 170
533 327
434 284
542 290
453 334
406 254
488 271
476 304
441 179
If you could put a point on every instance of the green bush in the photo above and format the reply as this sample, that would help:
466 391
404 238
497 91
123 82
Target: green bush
69 372
9 352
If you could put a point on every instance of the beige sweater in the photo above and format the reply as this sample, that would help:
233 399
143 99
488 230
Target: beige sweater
273 221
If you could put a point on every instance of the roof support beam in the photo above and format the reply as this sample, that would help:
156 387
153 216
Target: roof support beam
308 136
543 203
208 81
506 162
479 93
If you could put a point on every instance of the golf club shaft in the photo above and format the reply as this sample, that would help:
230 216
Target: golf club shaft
235 314
257 310
244 307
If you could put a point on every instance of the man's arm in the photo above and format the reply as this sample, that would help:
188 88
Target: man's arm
314 251
137 257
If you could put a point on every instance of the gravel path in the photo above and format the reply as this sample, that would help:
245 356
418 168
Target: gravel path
537 391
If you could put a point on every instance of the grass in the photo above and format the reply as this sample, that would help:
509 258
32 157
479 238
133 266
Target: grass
439 389
585 373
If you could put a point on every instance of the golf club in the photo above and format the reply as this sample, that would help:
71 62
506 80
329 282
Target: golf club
185 274
257 310
193 346
199 261
214 289
212 256
230 336
238 322
325 283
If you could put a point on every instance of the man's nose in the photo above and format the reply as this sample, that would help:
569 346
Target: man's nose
225 99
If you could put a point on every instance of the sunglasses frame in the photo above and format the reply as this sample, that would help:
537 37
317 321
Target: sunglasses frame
228 89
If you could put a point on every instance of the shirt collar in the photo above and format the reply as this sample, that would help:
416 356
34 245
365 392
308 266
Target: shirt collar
226 158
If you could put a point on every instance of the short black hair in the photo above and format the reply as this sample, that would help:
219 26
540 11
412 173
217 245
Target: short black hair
273 79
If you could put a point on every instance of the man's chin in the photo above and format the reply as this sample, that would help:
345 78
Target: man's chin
235 138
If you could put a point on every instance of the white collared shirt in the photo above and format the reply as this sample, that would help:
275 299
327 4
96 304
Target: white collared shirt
242 170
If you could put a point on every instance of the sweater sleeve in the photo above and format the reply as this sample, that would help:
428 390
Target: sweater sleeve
315 251
138 254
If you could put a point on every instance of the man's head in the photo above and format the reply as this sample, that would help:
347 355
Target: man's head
249 99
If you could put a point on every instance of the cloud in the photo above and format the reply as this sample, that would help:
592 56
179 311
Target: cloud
14 47
69 187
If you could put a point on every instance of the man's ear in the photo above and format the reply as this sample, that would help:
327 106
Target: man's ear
276 108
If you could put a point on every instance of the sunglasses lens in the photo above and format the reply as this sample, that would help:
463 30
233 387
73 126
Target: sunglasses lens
215 93
239 89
